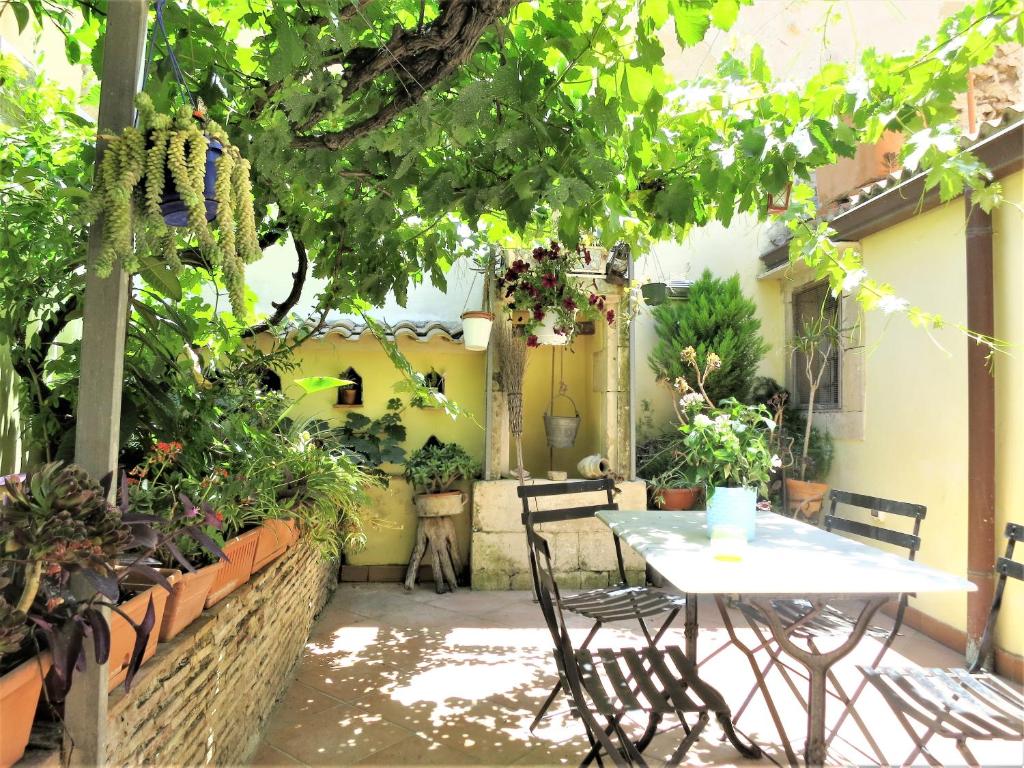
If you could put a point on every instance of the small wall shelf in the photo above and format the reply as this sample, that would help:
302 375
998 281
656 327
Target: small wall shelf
351 396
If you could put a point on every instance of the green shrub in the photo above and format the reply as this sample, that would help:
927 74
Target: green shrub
717 317
437 466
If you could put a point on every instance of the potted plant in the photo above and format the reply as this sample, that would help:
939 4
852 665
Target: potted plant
433 470
171 171
544 290
818 338
21 682
677 488
727 447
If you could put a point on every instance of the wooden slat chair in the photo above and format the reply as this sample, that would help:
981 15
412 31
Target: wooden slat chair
959 704
604 605
809 624
609 684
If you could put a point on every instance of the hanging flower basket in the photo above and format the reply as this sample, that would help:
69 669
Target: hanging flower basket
174 209
548 332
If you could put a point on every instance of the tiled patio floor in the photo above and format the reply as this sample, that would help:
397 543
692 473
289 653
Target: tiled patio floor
392 678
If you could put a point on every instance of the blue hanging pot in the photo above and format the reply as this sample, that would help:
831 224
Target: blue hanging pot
173 207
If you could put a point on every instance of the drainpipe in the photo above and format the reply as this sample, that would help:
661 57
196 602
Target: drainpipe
981 424
632 375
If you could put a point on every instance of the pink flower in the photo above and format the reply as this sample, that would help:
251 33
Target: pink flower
550 280
568 303
610 315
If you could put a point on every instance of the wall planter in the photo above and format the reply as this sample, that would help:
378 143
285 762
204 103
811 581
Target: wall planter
233 573
122 634
440 504
545 332
733 508
678 498
19 697
275 538
804 497
187 600
476 330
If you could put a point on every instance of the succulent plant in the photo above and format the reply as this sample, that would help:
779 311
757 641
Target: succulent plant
55 517
14 628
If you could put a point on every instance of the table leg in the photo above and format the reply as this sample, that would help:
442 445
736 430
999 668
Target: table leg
691 627
817 664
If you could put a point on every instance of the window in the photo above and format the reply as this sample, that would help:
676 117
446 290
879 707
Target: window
810 304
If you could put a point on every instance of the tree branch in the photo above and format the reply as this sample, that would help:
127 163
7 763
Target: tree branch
282 309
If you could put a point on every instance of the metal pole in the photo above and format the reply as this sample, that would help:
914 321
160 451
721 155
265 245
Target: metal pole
102 357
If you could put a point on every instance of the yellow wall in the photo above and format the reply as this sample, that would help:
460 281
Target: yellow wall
1008 226
915 431
389 519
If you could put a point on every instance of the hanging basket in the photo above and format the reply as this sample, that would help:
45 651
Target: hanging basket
173 208
561 430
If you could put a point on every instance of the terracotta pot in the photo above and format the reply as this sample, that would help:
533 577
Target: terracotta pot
274 540
235 571
185 604
348 396
19 697
678 498
122 634
440 504
805 497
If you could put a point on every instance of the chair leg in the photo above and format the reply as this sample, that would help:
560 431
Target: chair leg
849 706
972 761
558 686
691 737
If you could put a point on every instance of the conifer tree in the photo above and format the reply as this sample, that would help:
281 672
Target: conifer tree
716 317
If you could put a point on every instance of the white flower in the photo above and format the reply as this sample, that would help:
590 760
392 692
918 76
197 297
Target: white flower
722 419
691 398
890 304
738 426
701 420
776 462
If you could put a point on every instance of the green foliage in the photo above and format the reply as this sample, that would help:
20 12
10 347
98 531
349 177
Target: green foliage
437 466
716 317
130 184
821 450
728 446
370 443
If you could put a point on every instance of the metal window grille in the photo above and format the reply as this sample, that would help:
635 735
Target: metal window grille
807 304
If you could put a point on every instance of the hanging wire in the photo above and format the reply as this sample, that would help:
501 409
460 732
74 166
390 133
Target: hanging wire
160 28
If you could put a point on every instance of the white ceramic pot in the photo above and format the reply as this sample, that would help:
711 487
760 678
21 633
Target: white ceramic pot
545 332
733 508
476 330
593 467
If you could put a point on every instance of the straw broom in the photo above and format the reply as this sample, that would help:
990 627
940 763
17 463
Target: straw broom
511 349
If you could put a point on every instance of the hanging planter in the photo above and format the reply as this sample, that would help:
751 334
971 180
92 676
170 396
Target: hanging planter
174 209
476 330
654 293
548 332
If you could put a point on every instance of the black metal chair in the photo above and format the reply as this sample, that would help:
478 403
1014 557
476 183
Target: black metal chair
809 623
959 704
609 684
604 605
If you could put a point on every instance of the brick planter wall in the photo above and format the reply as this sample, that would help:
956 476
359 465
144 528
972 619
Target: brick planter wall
206 695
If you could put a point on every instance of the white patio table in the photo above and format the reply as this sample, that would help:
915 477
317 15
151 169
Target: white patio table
786 559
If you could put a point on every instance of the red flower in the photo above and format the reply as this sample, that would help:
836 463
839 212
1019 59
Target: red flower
586 256
593 299
519 266
531 341
550 280
538 314
610 315
568 303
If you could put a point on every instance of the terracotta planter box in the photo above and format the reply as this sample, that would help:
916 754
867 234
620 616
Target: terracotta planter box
678 498
19 697
122 634
275 538
234 572
293 531
186 602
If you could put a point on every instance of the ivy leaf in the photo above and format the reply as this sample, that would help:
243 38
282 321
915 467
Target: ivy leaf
311 384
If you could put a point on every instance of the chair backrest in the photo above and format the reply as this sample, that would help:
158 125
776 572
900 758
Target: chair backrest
1006 568
534 517
908 541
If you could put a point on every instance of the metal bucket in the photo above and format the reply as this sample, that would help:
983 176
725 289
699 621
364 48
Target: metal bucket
561 430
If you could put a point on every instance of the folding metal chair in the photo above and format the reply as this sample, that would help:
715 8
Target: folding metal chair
809 624
609 684
959 704
620 602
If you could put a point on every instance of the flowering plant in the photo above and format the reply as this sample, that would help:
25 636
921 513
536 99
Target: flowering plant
725 445
543 286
